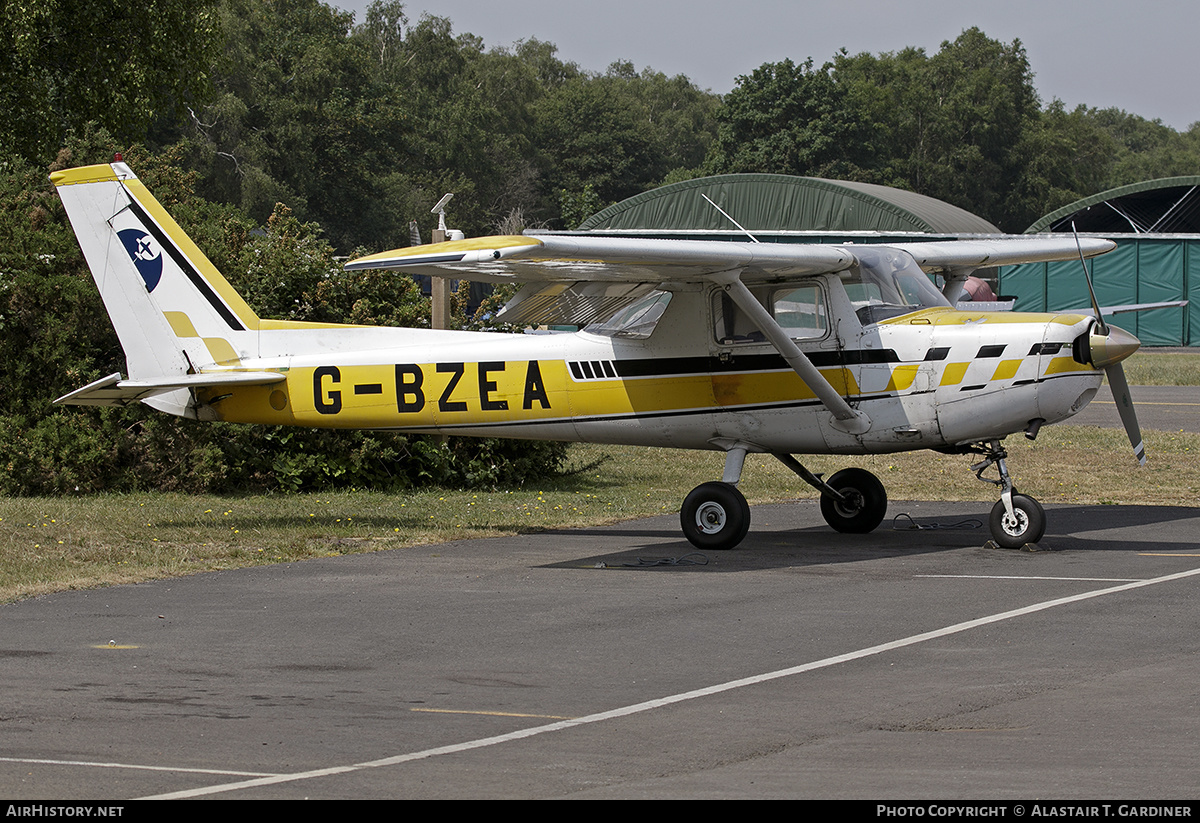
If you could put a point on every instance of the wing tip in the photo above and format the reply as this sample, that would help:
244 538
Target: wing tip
472 249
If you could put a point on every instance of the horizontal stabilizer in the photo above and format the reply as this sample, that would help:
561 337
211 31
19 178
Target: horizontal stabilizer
1132 307
113 391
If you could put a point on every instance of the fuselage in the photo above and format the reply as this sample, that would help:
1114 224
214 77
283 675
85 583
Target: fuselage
926 379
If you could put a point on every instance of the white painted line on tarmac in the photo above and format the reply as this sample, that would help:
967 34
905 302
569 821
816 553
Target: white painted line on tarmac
138 766
1031 577
658 703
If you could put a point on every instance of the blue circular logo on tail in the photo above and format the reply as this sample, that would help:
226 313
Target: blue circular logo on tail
145 253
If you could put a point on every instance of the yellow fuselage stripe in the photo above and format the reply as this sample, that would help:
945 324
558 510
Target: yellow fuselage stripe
456 394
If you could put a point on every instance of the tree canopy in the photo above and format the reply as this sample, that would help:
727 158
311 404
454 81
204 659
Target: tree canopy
360 125
964 125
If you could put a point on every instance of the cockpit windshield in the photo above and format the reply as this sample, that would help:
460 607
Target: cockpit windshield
887 283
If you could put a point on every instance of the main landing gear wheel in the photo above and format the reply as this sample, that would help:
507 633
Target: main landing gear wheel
864 506
715 516
1028 525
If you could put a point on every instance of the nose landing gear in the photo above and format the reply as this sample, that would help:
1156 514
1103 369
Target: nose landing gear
1016 519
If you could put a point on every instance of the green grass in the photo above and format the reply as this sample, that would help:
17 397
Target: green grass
52 544
1150 368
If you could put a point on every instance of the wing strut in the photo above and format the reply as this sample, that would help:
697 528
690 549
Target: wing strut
846 418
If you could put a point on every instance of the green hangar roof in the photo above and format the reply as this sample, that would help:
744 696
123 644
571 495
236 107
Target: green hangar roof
781 203
1170 205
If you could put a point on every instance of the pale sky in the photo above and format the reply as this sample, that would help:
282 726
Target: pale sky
1140 57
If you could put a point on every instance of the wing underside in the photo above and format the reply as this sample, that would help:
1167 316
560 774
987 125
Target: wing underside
570 304
568 259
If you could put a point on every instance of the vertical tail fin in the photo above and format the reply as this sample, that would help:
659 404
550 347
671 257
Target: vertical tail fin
173 311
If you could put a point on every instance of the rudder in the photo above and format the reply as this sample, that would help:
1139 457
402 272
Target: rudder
172 310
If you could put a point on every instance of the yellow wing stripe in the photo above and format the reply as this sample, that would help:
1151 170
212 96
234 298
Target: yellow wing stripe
84 174
455 246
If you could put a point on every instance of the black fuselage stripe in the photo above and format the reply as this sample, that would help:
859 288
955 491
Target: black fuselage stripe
678 366
186 267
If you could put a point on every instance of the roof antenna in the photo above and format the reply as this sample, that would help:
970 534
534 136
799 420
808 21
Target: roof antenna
440 210
727 217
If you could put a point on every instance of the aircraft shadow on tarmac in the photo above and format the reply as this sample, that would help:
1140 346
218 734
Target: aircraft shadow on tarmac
654 544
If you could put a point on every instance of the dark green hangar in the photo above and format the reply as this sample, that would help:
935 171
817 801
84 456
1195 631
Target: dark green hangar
786 209
1156 225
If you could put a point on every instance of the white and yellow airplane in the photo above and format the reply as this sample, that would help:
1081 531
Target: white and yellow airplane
729 346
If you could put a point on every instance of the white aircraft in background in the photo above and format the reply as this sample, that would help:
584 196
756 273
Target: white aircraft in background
728 346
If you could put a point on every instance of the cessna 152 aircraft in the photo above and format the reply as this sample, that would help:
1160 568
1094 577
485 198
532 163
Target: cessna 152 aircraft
738 347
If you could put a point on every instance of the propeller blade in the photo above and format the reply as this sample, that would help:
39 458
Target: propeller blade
1120 392
1101 326
1107 346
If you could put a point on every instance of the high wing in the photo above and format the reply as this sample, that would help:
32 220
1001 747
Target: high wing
568 258
560 258
575 280
961 257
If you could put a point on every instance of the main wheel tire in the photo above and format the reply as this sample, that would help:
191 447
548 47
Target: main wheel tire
865 506
1027 527
715 516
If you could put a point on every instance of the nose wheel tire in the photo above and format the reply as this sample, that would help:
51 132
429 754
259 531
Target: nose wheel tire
864 506
715 516
1028 525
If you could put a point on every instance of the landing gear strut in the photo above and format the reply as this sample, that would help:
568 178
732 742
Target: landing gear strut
1016 519
853 501
716 516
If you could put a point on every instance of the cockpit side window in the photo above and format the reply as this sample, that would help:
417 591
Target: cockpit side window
799 310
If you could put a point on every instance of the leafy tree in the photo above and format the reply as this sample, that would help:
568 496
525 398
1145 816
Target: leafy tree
127 67
1068 156
950 126
56 337
1146 149
788 118
295 120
